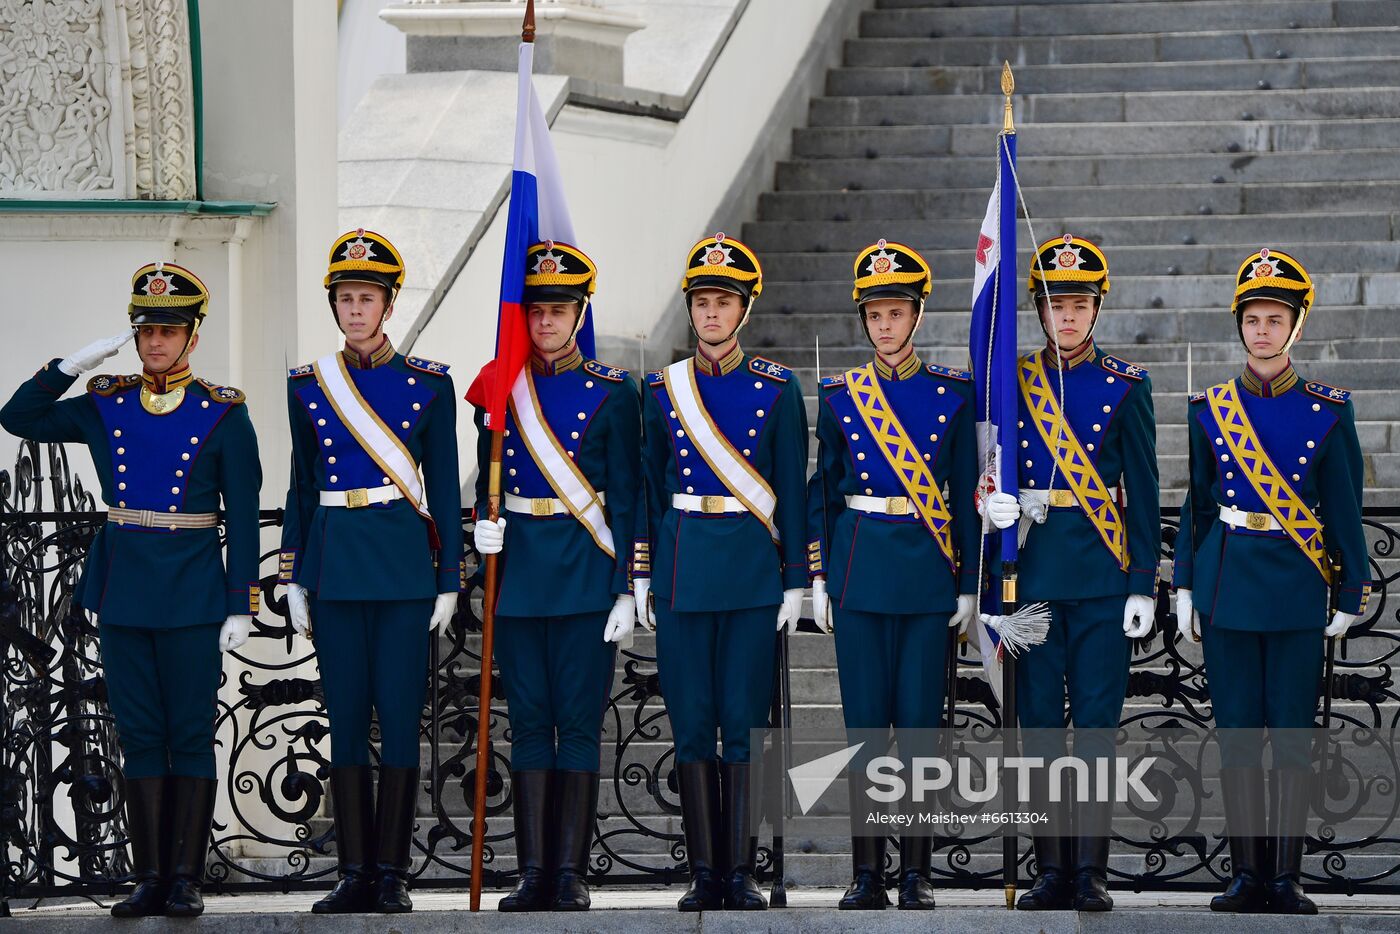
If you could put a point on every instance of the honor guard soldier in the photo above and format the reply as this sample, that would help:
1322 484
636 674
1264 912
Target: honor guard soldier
573 492
167 448
1271 522
1090 517
370 560
896 461
725 462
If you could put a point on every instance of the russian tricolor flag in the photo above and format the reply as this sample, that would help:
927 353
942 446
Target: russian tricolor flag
537 212
993 353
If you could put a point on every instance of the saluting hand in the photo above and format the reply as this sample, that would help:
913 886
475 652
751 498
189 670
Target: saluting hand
235 632
79 362
299 609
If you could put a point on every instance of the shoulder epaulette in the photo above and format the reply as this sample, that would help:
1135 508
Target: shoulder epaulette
223 393
107 385
656 377
951 372
774 371
1122 367
613 374
1196 396
1330 393
426 365
831 382
305 369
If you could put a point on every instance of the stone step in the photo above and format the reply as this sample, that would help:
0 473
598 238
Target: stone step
1126 107
897 172
1074 19
943 4
1213 45
1128 292
1256 75
1175 259
1189 137
1164 231
947 203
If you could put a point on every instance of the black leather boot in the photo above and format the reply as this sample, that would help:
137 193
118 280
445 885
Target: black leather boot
1292 787
578 806
1091 856
867 889
1054 886
191 814
148 830
915 860
352 806
393 839
1242 791
530 813
740 887
700 820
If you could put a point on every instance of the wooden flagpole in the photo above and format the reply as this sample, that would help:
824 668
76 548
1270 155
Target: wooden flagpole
488 620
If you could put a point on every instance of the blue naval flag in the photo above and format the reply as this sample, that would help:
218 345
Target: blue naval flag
993 352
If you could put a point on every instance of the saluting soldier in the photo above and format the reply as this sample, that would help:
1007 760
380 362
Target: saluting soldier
372 556
894 537
1089 491
573 492
1274 500
167 448
725 459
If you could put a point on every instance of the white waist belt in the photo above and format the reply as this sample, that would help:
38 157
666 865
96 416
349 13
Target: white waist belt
1235 518
710 505
1059 499
881 505
354 499
541 506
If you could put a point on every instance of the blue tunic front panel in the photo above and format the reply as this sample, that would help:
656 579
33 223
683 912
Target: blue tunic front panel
707 563
891 564
1259 579
380 551
1110 411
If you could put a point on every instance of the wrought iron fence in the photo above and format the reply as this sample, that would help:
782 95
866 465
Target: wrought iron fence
61 788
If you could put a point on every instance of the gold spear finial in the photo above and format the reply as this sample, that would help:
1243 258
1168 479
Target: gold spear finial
1008 84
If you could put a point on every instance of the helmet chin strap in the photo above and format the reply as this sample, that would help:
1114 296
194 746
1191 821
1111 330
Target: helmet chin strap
1054 341
918 320
181 357
732 334
1288 344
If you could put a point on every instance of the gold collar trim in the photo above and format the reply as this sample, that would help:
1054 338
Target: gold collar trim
905 369
377 357
722 367
570 361
1256 385
1085 354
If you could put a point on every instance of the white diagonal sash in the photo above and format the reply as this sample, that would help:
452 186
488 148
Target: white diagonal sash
564 476
381 444
728 464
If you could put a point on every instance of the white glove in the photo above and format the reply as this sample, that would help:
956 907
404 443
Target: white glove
90 356
966 611
622 619
821 606
1001 508
299 609
1188 621
443 608
235 632
489 536
646 613
1341 622
791 610
1137 615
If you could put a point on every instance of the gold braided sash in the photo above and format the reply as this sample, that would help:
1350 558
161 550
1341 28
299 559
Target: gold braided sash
1090 492
903 457
1297 520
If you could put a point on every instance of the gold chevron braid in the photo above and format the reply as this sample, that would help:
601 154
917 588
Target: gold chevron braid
901 455
1292 513
1089 489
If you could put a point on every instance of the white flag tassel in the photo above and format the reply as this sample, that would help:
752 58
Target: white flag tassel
1028 626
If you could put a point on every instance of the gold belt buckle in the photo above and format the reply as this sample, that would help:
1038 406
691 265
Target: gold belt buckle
541 507
711 504
1257 521
896 505
1062 498
355 499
